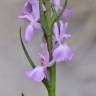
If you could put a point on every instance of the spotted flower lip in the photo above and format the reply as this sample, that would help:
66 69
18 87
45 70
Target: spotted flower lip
62 53
36 74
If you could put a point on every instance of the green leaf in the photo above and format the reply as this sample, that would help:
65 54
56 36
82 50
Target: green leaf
25 51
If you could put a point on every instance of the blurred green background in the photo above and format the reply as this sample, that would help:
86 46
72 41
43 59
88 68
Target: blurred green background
76 78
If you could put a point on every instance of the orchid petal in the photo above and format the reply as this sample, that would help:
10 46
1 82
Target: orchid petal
63 29
45 52
67 13
47 74
66 36
68 52
29 32
58 54
56 31
37 26
36 74
56 4
27 7
25 17
35 7
42 60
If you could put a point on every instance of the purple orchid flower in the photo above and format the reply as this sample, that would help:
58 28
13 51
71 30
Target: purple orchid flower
31 13
44 58
61 52
41 72
33 24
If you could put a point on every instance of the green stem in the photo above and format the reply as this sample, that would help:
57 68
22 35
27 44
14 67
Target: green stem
52 70
52 88
51 85
48 12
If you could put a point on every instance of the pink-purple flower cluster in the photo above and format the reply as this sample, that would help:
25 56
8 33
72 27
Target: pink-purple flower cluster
61 51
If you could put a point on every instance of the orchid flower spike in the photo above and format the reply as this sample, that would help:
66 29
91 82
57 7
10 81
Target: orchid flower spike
61 51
